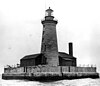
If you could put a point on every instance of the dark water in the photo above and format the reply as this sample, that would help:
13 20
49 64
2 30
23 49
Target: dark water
76 82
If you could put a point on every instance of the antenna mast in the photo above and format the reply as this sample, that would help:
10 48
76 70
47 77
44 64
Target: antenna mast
47 4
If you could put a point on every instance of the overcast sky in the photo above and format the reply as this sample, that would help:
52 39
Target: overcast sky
21 28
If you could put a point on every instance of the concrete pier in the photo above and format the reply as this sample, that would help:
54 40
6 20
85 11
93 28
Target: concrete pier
43 73
50 77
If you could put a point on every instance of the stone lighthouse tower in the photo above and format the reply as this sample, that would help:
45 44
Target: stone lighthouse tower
49 47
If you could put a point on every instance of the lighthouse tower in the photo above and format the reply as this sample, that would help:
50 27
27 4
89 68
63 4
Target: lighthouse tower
49 45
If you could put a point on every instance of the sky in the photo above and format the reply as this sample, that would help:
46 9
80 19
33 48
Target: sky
21 29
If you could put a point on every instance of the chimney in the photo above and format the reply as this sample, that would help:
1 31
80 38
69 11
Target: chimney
70 48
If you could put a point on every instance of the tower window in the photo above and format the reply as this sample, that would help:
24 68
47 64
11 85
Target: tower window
43 32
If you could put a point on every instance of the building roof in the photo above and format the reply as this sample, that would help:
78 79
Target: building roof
64 55
61 54
31 56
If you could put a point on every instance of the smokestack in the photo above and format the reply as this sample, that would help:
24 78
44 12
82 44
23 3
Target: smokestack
71 49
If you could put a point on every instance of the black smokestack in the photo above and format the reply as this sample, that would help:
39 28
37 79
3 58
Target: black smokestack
71 49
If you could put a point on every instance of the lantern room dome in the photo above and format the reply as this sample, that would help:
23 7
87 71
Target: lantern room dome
49 12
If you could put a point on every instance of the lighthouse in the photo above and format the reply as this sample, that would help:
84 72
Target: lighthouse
49 46
49 53
49 64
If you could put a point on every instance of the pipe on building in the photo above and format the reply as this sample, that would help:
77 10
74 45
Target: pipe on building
70 48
